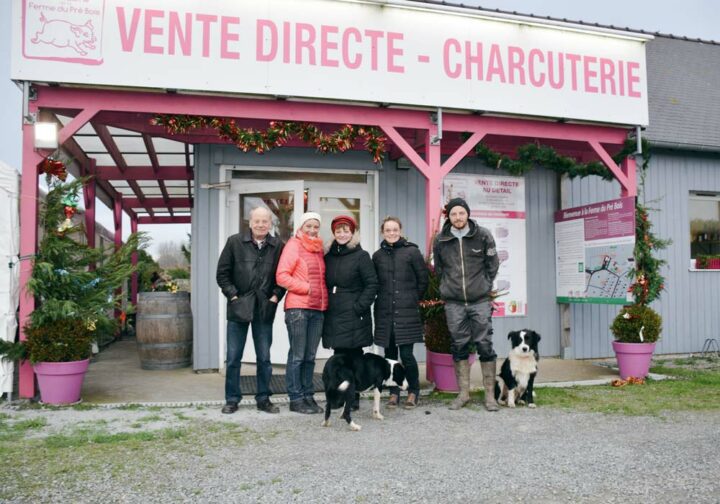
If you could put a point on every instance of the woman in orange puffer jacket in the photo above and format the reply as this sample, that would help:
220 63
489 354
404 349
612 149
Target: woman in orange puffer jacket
301 271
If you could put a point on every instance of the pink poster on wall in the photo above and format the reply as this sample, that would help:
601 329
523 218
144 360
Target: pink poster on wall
63 30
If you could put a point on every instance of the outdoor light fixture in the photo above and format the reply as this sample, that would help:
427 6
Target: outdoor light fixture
46 135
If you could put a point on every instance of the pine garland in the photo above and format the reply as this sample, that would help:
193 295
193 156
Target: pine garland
529 155
278 133
649 282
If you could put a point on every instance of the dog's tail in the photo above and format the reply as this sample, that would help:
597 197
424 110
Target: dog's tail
343 386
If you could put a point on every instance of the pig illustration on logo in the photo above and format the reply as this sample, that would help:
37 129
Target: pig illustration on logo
60 33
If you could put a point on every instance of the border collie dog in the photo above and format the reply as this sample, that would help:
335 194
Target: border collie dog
344 375
517 374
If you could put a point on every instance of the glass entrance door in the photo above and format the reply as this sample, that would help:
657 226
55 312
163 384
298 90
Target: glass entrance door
285 200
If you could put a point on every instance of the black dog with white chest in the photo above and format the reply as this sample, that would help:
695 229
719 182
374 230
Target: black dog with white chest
345 374
517 374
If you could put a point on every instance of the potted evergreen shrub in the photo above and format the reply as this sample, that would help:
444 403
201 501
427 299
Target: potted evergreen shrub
637 327
76 289
439 367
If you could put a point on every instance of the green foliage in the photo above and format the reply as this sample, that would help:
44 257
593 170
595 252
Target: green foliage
178 273
64 341
634 321
649 282
187 249
75 286
532 154
706 261
432 311
146 266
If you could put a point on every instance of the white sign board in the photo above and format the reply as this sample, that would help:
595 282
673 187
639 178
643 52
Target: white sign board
405 54
498 204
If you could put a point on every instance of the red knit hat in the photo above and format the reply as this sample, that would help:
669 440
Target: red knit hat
343 220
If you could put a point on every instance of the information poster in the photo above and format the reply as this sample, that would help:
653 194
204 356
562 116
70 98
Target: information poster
498 204
594 247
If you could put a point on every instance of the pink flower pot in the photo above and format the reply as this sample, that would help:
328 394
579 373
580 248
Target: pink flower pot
60 382
439 369
633 358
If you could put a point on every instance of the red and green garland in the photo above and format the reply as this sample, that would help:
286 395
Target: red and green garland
648 283
278 133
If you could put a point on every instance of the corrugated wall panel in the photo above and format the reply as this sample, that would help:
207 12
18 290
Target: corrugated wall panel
689 306
406 190
205 299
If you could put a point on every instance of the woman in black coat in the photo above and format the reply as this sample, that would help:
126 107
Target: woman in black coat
403 277
352 285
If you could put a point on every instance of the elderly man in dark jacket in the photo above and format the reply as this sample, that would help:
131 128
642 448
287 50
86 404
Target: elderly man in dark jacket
246 275
467 263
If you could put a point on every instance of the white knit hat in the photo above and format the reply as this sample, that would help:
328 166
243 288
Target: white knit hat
307 216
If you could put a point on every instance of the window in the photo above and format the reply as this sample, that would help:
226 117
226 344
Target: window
704 211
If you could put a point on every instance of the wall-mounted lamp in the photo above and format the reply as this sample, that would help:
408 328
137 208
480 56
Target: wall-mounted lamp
403 163
46 135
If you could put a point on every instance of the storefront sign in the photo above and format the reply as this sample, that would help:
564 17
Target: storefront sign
498 204
397 53
594 252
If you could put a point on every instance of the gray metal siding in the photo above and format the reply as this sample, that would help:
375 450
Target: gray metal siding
204 229
402 193
689 306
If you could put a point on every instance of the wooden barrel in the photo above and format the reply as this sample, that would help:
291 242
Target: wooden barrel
164 330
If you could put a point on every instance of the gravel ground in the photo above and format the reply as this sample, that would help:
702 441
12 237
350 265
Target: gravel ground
429 454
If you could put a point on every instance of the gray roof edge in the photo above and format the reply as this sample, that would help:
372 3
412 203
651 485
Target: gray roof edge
585 24
664 144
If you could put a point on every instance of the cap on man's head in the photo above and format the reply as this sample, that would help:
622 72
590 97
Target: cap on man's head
456 202
343 220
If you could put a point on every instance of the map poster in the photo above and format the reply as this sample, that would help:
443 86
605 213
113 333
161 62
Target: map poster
594 247
498 204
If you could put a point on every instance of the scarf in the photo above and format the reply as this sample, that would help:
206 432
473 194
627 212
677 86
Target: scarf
309 243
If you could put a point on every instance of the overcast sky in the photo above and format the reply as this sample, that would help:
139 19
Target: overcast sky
690 18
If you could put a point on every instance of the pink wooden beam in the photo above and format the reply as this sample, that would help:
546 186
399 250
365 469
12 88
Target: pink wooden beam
534 129
178 219
112 148
89 198
174 202
117 221
28 246
134 260
141 102
143 173
433 185
629 187
76 123
407 150
152 154
629 169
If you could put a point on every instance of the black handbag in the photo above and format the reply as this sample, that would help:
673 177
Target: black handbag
243 308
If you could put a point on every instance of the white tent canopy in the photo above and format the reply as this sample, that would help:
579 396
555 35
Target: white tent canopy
9 267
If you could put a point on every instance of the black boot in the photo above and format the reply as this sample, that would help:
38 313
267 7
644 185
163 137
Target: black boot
312 405
300 406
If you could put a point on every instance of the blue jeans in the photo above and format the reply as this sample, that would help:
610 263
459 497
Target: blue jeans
236 337
304 331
